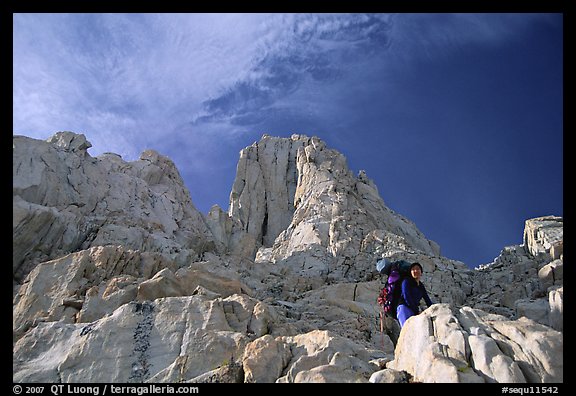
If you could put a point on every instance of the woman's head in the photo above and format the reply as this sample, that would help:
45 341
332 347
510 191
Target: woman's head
416 265
416 271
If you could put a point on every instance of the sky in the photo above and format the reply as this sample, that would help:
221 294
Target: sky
457 118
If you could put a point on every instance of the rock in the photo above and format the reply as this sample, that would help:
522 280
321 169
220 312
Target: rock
433 347
264 359
551 274
162 284
70 141
329 373
388 376
543 236
317 357
38 355
127 346
71 277
514 278
229 373
229 232
556 303
65 201
262 196
537 310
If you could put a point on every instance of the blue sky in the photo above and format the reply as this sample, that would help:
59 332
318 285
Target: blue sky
458 118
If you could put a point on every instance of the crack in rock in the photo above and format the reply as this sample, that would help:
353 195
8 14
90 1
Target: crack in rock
140 366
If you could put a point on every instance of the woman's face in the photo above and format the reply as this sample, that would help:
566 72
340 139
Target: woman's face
416 272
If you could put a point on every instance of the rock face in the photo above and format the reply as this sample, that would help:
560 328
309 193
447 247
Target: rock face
118 278
526 280
64 201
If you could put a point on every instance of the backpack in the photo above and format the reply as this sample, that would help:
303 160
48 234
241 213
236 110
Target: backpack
389 296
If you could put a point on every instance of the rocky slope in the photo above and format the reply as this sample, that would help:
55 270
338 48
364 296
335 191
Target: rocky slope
118 278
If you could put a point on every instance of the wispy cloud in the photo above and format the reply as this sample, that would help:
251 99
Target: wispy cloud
134 77
132 81
297 49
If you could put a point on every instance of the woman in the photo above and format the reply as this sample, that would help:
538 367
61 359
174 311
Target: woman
412 292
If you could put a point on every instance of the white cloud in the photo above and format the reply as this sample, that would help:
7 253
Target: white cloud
137 76
142 75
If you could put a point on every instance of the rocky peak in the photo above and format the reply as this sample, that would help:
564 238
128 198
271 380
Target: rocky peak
298 190
298 199
65 200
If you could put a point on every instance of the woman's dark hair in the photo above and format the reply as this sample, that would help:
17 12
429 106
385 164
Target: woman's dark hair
416 264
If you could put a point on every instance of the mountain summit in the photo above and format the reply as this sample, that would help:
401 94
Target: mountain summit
118 278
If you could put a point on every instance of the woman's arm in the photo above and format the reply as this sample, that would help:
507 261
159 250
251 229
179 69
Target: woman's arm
426 297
